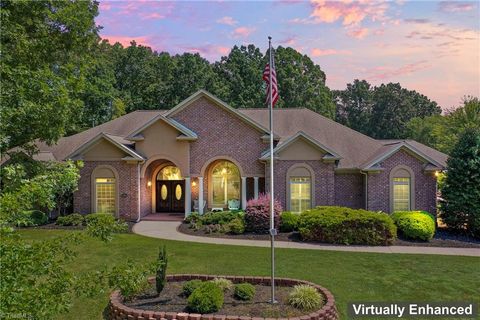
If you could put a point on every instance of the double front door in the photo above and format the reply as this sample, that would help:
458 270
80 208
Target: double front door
170 195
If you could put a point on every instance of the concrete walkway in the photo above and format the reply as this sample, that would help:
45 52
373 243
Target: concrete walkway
168 230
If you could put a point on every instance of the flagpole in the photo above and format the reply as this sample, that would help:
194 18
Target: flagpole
272 201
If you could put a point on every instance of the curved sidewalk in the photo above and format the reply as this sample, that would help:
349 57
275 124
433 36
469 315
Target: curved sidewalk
168 230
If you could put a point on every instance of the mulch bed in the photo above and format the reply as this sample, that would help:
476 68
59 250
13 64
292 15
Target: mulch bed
442 238
172 300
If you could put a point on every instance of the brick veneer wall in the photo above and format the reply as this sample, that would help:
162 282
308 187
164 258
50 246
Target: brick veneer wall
221 133
118 311
324 181
379 184
127 188
349 191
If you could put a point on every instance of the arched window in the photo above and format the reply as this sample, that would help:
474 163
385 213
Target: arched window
401 182
169 173
225 183
300 190
105 190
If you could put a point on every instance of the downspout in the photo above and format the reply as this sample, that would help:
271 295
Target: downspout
138 190
366 188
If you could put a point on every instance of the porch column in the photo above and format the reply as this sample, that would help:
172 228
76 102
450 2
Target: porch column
200 195
255 187
188 197
244 193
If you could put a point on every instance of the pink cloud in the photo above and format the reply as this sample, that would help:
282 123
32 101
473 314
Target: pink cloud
358 33
386 72
242 32
317 52
125 40
153 15
228 21
105 6
456 6
208 50
350 12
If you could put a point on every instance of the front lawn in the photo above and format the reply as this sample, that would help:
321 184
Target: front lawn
350 276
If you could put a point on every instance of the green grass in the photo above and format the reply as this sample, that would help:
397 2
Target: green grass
350 276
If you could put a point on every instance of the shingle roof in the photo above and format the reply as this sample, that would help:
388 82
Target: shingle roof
356 150
354 147
120 127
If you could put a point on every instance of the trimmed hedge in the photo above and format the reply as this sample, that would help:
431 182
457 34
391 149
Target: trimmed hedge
289 221
347 226
419 225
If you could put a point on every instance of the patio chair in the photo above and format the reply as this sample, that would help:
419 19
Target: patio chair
196 208
233 204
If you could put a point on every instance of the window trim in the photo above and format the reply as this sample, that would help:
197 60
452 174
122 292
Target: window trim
212 165
93 187
395 173
290 175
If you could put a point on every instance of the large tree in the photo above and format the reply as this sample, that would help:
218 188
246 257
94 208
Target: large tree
301 83
461 188
240 73
45 48
442 131
393 106
354 105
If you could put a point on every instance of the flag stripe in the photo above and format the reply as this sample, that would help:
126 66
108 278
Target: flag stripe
266 78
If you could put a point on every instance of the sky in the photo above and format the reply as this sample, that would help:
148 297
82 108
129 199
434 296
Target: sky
432 47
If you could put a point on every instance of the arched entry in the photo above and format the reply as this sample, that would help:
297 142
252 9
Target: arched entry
170 190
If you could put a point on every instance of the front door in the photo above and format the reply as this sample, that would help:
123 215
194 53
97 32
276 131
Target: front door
170 195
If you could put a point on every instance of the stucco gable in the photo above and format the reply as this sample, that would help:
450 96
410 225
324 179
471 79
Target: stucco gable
105 147
184 132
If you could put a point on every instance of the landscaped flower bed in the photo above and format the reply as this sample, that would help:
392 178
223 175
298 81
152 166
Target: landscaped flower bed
174 305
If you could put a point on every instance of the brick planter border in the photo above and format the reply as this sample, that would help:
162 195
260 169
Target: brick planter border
118 311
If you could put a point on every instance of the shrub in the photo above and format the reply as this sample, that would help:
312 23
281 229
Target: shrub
257 214
244 291
104 225
305 297
129 278
192 217
161 274
207 298
236 226
289 221
39 218
223 284
190 286
347 226
74 219
220 217
415 224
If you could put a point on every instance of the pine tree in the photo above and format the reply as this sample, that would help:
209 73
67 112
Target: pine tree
461 191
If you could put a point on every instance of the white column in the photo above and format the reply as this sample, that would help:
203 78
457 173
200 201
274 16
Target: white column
244 193
200 195
188 197
255 187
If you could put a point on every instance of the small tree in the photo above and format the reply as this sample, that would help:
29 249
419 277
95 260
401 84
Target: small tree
161 276
460 208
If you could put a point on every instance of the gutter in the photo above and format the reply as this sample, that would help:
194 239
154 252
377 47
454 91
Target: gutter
366 188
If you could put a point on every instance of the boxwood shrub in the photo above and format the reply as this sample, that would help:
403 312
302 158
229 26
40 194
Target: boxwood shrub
207 298
74 219
347 226
244 291
417 225
289 221
190 286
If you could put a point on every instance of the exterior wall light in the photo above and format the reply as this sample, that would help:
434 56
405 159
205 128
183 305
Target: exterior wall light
149 184
437 174
194 183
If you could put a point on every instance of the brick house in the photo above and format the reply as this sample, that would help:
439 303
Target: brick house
205 152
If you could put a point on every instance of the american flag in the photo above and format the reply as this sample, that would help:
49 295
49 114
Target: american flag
266 78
